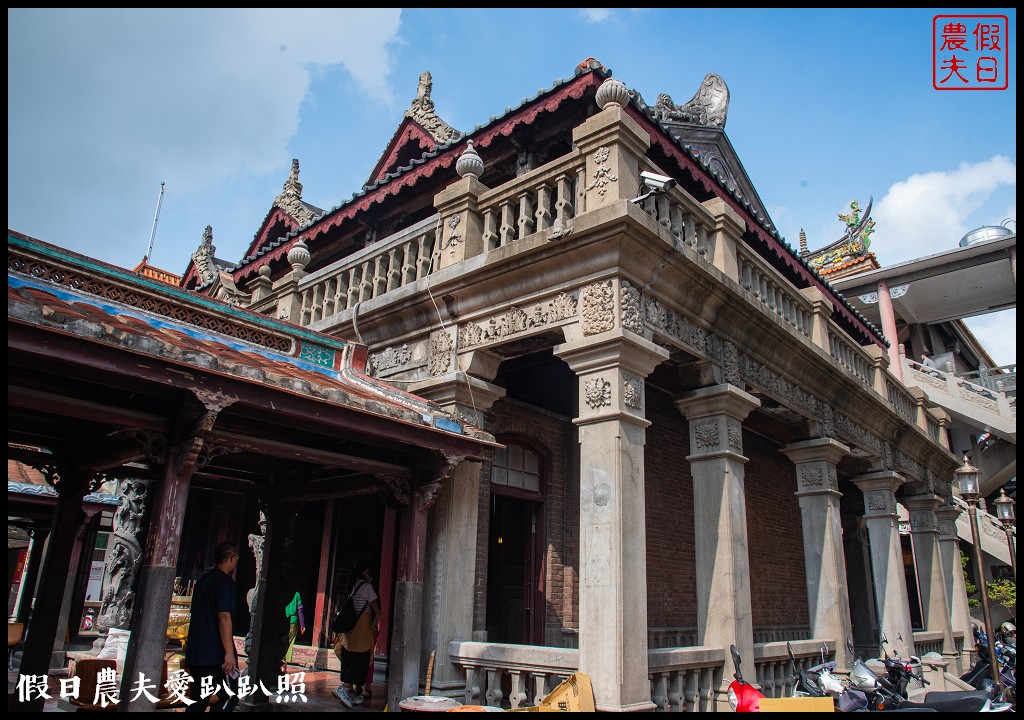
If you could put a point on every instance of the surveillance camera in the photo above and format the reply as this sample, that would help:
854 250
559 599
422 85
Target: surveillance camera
657 182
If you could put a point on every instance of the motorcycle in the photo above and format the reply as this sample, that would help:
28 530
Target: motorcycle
743 697
889 691
819 681
980 674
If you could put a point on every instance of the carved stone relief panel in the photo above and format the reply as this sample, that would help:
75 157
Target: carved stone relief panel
880 502
441 347
706 435
923 521
735 433
603 175
598 302
632 314
633 391
598 392
515 321
811 476
390 359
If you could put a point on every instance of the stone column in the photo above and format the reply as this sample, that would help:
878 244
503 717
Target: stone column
924 530
125 556
612 144
716 460
610 368
30 574
452 539
821 521
953 575
890 583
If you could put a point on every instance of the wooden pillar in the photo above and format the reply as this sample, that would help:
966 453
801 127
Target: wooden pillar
71 487
406 639
30 574
386 581
58 656
321 617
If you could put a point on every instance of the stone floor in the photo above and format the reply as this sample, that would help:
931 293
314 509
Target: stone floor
319 689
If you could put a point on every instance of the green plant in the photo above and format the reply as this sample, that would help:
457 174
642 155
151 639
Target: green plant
1003 592
971 588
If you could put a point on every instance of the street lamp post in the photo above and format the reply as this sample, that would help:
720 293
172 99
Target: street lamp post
1004 511
967 479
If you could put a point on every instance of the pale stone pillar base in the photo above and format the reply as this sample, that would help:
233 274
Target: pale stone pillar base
934 601
818 494
724 615
882 522
611 368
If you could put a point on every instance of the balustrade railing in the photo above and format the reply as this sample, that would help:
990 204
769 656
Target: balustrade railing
530 671
773 292
959 388
394 262
772 666
852 357
542 199
901 400
684 679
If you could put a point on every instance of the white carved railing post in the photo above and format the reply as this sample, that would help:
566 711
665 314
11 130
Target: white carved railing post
461 229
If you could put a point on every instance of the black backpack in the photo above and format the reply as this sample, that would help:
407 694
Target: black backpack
346 617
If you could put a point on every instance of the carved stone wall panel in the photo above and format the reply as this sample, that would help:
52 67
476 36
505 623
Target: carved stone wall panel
603 175
633 391
441 347
598 301
515 321
390 359
598 393
632 308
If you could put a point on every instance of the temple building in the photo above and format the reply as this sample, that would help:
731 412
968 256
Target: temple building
628 426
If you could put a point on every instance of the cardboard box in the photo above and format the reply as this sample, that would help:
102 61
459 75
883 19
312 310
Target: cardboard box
800 704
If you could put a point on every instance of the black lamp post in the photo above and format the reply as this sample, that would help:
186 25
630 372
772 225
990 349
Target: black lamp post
1004 511
970 491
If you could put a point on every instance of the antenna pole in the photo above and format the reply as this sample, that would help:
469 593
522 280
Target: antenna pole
156 218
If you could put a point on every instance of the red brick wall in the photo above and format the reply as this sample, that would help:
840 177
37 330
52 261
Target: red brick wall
668 497
778 586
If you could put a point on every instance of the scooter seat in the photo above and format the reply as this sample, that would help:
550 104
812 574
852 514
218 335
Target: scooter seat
968 704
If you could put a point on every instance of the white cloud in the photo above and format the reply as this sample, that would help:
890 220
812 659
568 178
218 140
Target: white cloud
928 212
103 104
596 15
997 333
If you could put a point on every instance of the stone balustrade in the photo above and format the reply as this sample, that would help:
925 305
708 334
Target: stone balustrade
394 262
945 388
901 400
532 671
685 679
772 665
850 356
543 199
772 292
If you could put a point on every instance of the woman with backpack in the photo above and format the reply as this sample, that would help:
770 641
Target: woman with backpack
355 647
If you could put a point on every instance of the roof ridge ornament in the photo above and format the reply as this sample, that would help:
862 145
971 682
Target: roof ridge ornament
203 258
853 244
709 106
422 111
290 199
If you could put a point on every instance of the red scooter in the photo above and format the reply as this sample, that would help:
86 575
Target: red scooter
743 697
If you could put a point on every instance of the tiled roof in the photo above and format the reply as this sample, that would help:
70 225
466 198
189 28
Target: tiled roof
207 335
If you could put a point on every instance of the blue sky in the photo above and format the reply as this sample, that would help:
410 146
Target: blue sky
826 106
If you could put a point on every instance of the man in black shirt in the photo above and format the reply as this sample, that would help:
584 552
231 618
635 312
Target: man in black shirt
210 647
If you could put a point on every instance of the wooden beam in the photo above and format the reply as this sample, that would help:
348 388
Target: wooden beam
275 448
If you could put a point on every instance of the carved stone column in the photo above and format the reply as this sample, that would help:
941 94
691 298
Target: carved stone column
953 576
125 555
890 583
256 542
724 615
452 538
610 368
924 530
821 522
